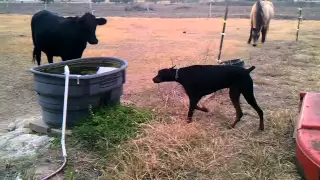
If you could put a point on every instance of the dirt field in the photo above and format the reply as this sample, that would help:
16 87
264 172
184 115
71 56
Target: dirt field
283 69
236 10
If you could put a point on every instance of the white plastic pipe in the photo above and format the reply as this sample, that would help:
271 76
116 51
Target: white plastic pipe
63 134
65 103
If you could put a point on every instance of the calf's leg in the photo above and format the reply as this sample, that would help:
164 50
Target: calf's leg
193 101
37 55
202 108
50 58
64 58
234 94
206 99
249 96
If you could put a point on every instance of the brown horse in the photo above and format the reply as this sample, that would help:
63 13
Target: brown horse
261 14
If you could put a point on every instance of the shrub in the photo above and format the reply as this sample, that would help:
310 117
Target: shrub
107 127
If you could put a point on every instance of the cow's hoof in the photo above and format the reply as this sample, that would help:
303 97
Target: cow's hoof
189 120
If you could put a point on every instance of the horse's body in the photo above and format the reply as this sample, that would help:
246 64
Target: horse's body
261 14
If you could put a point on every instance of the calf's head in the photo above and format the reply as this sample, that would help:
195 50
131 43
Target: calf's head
88 24
165 75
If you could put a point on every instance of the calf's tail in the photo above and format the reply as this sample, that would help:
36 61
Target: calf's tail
34 55
250 69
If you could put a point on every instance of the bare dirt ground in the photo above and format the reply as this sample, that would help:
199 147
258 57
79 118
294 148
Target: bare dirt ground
169 148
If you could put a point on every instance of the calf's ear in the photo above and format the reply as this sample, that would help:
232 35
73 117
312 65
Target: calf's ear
101 21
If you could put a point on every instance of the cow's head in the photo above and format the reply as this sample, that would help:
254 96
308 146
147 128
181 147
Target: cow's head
88 24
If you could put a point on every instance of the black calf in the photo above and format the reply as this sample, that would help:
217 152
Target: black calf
201 80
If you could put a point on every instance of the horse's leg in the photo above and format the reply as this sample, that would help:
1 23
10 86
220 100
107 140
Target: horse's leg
264 33
250 37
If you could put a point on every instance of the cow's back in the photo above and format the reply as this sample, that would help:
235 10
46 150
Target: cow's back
44 20
43 26
56 35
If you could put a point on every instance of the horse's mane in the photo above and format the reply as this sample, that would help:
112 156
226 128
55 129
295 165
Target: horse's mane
259 14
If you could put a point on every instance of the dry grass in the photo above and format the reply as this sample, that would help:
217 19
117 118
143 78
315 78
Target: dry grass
169 148
16 92
205 151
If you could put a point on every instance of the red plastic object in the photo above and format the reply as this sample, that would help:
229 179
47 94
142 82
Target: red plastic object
308 136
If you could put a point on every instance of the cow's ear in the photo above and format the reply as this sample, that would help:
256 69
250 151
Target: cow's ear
101 21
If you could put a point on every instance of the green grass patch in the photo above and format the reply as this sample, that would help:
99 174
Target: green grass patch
107 127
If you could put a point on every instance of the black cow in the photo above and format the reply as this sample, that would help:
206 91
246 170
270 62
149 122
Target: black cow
65 37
